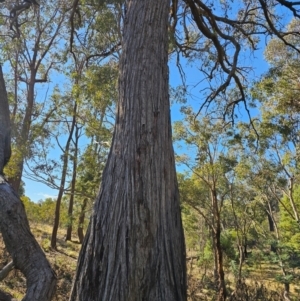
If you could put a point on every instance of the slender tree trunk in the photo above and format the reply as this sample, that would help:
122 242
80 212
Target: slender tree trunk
81 221
245 251
134 247
73 184
272 229
241 239
216 274
63 181
222 293
221 276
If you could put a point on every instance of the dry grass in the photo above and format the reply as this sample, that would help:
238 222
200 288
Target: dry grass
63 262
258 279
200 280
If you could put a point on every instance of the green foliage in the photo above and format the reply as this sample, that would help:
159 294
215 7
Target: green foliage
44 211
191 227
207 255
46 244
228 243
288 224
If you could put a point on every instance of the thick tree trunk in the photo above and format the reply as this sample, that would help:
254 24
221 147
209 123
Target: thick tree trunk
134 247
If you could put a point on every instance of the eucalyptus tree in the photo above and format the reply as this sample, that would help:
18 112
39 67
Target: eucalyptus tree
98 27
32 45
277 94
131 221
135 233
88 54
98 98
82 116
219 38
73 127
211 170
133 211
19 241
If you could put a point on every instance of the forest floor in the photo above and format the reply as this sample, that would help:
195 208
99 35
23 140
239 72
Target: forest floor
201 286
62 261
258 279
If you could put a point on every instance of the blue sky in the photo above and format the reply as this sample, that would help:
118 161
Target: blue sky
37 191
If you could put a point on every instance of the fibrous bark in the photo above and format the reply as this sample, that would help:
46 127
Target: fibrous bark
134 247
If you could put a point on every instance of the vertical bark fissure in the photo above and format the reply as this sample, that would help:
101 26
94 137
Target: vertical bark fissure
134 247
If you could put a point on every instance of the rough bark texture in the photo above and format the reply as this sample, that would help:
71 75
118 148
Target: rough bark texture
134 247
5 150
